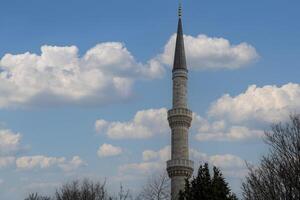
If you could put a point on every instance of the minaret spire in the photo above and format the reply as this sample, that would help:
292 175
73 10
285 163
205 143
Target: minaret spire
179 58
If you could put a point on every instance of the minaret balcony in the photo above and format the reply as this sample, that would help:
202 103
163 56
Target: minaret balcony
180 117
180 167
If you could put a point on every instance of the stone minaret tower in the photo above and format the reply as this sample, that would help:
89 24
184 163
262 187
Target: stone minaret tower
180 117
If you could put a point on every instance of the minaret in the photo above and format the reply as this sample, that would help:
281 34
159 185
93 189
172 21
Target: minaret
180 117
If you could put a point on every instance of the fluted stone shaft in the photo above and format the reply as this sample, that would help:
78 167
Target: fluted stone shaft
179 88
180 117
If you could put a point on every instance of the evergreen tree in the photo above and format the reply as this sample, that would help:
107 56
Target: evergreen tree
205 187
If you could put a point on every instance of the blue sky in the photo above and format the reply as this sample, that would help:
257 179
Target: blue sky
97 74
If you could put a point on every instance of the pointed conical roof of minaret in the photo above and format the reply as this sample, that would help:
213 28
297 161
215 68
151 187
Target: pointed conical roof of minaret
179 58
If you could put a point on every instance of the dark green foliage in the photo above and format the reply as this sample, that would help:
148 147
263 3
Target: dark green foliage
205 187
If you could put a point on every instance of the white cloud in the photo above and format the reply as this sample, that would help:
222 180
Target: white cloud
73 164
162 155
205 52
230 165
266 104
101 125
243 116
9 142
108 150
148 123
227 161
104 73
141 168
145 124
6 161
30 162
198 156
154 161
221 130
235 133
44 162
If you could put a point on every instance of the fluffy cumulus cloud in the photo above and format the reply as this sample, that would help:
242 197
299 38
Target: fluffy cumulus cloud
10 145
9 142
30 162
108 150
162 154
145 124
153 122
235 133
227 161
266 104
73 164
44 162
154 161
104 73
205 52
221 130
230 118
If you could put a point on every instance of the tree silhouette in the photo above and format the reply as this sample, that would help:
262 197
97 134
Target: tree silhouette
36 196
157 188
83 190
278 175
205 187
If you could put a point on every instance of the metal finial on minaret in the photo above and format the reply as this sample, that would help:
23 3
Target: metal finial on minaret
180 9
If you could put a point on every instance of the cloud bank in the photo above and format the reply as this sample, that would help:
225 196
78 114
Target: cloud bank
9 142
108 150
242 117
10 145
267 104
211 53
154 161
153 122
44 162
145 124
105 73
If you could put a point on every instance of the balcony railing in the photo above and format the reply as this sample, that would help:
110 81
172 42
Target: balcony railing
181 163
179 111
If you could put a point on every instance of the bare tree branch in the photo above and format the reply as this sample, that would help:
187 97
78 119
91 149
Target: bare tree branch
278 175
157 188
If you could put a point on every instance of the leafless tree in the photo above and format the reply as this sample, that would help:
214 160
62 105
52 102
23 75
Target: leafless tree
85 190
157 188
36 196
123 194
89 190
278 175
